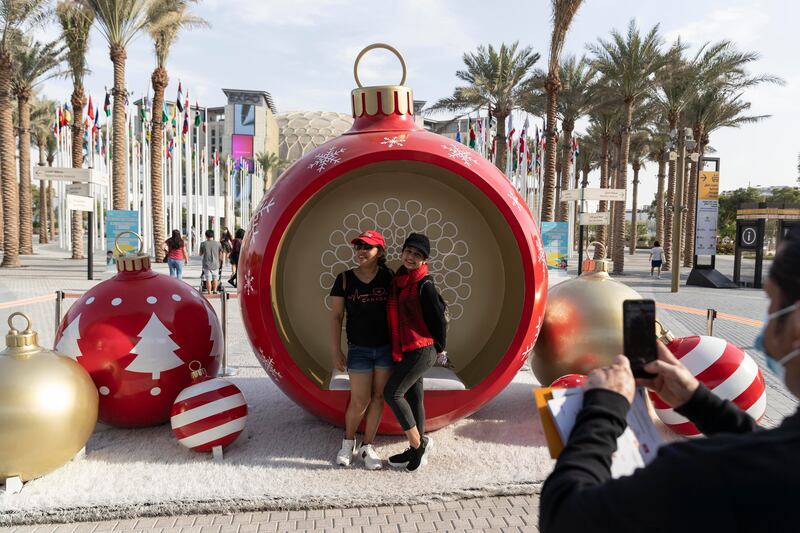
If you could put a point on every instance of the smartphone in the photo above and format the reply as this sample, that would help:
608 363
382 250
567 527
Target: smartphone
639 334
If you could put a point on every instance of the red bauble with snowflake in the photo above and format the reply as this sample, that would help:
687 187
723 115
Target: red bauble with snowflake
388 174
135 334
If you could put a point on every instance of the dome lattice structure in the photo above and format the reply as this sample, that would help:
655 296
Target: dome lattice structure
300 132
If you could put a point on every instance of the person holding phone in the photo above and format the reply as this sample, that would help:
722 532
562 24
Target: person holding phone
360 294
741 478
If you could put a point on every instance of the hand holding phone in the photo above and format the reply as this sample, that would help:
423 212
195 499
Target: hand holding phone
639 335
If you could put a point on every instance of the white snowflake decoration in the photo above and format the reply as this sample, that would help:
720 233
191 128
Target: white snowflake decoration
324 160
249 288
527 351
514 200
270 366
459 153
391 142
264 208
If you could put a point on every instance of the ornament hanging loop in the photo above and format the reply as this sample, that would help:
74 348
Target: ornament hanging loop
139 237
391 49
15 331
20 342
196 369
596 243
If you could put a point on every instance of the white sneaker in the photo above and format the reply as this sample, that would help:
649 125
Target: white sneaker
345 455
371 459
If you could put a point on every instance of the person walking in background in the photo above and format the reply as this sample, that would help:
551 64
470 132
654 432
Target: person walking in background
226 241
418 328
177 254
360 294
211 252
236 247
656 259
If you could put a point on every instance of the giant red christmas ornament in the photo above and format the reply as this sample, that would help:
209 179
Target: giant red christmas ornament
724 368
387 173
208 413
569 381
135 334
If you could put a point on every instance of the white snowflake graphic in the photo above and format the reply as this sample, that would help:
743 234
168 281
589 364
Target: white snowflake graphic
542 257
538 328
460 153
248 284
324 160
514 200
265 207
270 366
391 142
527 351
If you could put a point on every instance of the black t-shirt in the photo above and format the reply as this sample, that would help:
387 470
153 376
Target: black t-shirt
365 307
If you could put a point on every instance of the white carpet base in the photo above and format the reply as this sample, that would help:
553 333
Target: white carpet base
284 460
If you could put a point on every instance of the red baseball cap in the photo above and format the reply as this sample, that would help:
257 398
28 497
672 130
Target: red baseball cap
370 237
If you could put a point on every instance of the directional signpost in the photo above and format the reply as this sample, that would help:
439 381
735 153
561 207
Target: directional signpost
76 202
591 219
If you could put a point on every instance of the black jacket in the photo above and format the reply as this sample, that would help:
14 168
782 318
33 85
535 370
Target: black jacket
741 479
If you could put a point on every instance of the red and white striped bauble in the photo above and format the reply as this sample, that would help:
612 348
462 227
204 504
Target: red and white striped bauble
210 412
724 368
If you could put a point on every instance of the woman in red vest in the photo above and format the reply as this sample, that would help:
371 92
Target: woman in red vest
418 328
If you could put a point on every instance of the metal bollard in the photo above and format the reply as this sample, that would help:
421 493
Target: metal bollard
711 315
224 370
59 298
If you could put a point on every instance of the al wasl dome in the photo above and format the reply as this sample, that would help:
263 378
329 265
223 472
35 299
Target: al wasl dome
302 131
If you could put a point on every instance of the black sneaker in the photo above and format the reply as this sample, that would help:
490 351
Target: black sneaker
401 460
419 456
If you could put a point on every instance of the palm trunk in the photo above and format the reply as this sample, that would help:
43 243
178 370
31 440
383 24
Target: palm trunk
160 81
601 230
25 200
667 243
500 139
622 183
563 207
8 167
634 230
118 173
76 217
42 198
553 86
691 215
662 166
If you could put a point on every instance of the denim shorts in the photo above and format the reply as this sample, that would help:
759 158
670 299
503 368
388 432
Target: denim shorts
367 358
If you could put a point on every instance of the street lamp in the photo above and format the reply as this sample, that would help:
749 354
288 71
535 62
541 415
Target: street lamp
685 140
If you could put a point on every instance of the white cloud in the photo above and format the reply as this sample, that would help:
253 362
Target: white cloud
744 24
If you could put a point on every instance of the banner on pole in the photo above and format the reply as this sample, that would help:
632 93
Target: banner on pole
118 221
555 238
706 229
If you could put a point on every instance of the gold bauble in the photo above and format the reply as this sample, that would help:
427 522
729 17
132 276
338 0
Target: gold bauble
48 406
582 326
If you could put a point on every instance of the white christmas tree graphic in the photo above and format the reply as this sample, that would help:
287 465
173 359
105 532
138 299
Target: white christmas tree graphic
155 350
68 343
212 320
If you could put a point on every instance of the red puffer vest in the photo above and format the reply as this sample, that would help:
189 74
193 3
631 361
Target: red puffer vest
414 333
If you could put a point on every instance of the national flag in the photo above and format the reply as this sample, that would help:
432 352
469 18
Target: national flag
510 129
170 147
164 113
576 147
67 115
174 118
196 114
185 124
96 125
61 120
537 148
179 100
56 127
216 157
522 134
90 111
107 104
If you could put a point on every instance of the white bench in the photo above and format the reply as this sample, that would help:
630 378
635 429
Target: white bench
437 378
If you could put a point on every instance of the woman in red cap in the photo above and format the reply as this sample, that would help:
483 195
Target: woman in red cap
361 294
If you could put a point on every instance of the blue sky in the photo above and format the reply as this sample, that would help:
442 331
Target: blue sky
302 52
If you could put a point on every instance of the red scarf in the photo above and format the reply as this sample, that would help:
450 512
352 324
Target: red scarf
403 286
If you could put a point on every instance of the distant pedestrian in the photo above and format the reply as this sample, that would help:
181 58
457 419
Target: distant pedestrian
177 255
211 252
236 247
656 259
227 246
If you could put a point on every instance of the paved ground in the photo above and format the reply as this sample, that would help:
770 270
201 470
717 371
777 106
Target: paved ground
49 271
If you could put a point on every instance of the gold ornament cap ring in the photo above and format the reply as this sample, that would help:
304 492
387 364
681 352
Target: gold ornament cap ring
383 100
20 339
131 262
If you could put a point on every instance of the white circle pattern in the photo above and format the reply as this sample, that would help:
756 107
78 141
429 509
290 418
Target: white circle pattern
90 300
176 297
104 390
395 220
152 299
116 301
155 391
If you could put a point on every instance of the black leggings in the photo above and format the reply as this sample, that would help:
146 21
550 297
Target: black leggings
403 391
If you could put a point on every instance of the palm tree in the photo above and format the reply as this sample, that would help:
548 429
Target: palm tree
628 64
76 21
42 112
659 153
270 163
602 123
119 21
172 16
16 17
35 63
575 100
563 13
50 149
497 78
638 152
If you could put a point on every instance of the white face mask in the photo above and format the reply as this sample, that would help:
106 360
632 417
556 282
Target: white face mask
775 365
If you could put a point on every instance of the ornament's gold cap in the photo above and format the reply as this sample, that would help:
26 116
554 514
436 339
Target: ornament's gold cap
663 334
381 99
131 262
21 339
197 370
592 266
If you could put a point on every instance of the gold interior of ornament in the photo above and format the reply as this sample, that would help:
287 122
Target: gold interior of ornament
479 264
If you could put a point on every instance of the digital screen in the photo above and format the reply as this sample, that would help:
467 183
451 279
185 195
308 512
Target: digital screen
244 119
